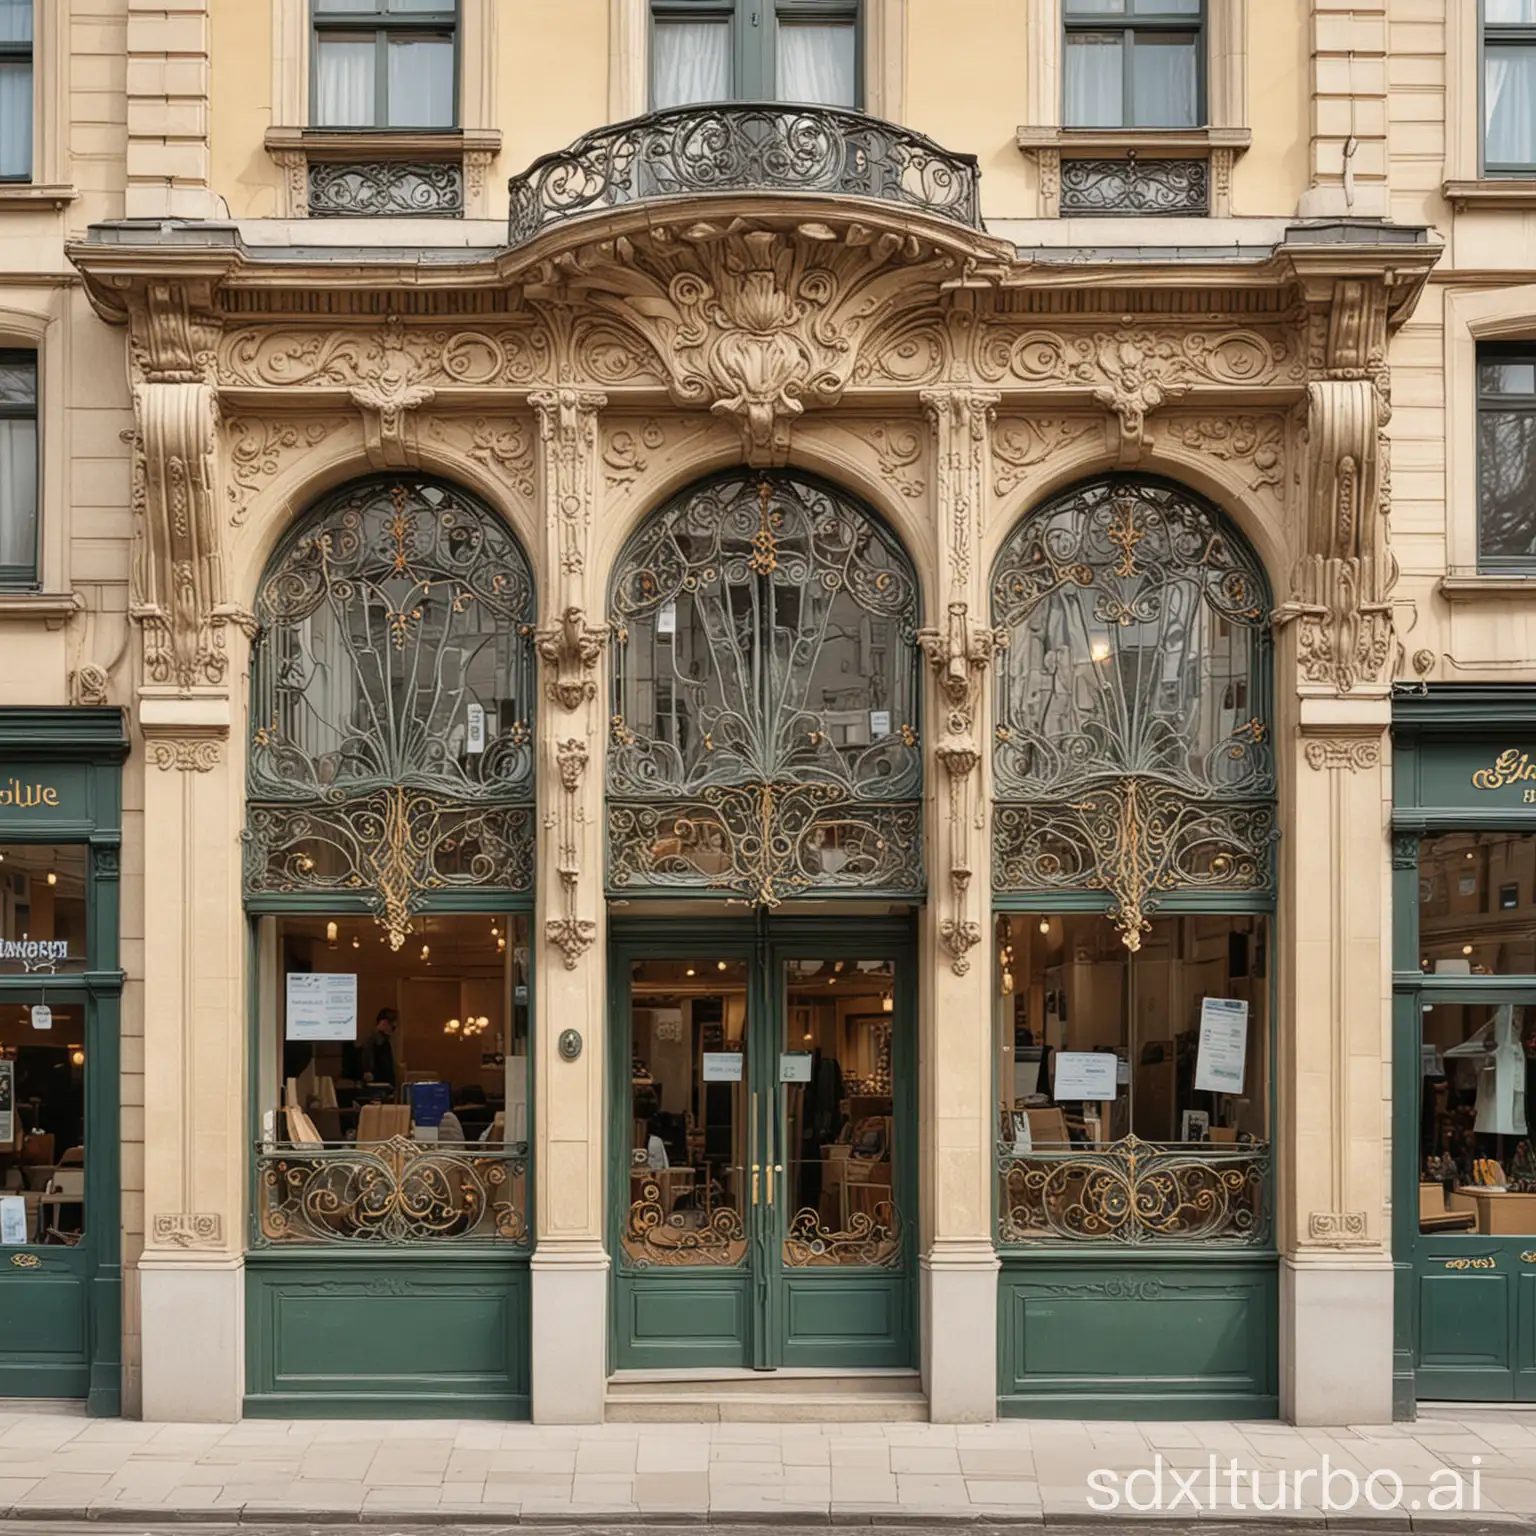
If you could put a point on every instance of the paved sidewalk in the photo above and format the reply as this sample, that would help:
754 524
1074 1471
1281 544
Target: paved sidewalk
59 1465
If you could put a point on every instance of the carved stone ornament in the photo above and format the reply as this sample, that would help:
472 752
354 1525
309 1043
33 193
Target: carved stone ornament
568 431
1342 1229
571 934
1360 752
257 449
386 404
570 648
195 754
180 1230
958 653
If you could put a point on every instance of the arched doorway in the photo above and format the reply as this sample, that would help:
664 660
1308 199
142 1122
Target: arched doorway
389 855
764 781
1133 865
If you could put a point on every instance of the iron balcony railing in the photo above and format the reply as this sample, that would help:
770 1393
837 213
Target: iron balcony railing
390 1193
744 146
1134 1193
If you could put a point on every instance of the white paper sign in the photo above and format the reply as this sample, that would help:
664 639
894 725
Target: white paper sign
1085 1075
7 1102
1122 1071
474 729
794 1066
13 1220
722 1066
322 1005
666 619
879 723
42 1016
1219 1067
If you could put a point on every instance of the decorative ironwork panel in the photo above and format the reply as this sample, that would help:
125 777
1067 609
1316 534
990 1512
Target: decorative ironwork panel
1136 1193
744 147
392 698
658 1234
765 696
398 1191
1149 187
866 1237
1132 744
385 189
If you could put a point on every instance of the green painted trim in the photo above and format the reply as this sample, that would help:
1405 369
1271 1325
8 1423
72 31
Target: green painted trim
1168 903
64 734
1449 709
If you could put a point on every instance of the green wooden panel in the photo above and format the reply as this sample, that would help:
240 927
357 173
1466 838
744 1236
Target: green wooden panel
684 1320
856 1320
424 1333
1138 1338
44 1340
1525 1336
1466 1337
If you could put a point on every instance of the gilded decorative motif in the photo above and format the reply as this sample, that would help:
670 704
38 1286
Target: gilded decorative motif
763 736
656 1236
1136 1193
868 1238
397 1191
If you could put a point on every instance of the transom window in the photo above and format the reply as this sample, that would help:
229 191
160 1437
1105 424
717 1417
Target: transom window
1134 63
18 468
1509 87
1506 456
15 90
385 63
755 50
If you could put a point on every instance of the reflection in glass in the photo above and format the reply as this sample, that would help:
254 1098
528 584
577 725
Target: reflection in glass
689 1127
839 1131
42 1118
1477 1163
1477 904
1506 472
42 909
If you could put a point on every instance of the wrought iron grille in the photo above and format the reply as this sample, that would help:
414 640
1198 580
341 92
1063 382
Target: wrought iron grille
1136 1193
744 146
392 704
373 1194
385 189
1146 187
1132 741
765 697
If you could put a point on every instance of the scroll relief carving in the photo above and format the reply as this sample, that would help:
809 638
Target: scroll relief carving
1362 752
258 449
898 449
503 447
1343 1229
1019 443
570 933
197 754
183 1230
1255 443
754 323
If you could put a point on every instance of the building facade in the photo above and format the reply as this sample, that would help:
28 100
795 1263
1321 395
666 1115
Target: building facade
711 708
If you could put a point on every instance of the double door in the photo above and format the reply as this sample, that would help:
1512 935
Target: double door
762 1180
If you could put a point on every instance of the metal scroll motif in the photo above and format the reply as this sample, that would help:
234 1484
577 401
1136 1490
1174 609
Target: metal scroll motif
656 1236
744 147
871 1237
765 693
1132 186
396 1191
392 693
1132 745
1136 1193
385 189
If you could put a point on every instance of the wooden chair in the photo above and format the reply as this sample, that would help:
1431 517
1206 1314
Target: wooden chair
381 1122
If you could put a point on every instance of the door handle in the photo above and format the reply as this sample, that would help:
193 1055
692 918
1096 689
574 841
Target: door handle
752 1147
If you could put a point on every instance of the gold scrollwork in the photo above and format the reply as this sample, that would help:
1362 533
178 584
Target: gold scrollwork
26 1261
871 1237
655 1235
1486 1262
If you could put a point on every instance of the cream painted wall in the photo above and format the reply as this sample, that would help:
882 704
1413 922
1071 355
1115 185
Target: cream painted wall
1270 177
244 174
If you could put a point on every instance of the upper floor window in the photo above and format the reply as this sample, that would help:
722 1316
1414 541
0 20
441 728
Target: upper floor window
1135 63
754 50
385 63
18 468
1509 85
1506 455
15 90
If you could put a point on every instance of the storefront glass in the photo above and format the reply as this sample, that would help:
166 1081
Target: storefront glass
42 1121
1477 904
42 909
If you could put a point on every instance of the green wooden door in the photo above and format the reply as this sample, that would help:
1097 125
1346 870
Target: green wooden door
764 1141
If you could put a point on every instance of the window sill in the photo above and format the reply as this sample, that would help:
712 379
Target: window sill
1491 192
1470 589
19 196
53 608
384 173
1203 187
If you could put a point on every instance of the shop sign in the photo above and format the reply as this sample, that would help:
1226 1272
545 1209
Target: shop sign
1468 776
1510 769
35 954
33 796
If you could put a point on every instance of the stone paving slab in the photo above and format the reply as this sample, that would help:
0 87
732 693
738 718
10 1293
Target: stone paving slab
59 1469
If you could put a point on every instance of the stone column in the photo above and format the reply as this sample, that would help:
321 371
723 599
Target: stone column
959 1263
1349 46
570 1262
195 1137
168 88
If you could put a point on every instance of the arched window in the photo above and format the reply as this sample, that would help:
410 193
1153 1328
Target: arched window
765 697
392 698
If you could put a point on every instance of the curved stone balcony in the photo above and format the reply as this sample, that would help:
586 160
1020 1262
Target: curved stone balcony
744 146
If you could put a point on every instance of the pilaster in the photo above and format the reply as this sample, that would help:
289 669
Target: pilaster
169 83
570 1264
959 1265
1349 111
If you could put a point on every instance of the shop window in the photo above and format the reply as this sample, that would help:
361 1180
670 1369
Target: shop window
394 1091
42 1121
1477 904
1130 1110
16 90
1509 87
765 697
1506 455
18 467
385 64
716 50
1133 63
42 908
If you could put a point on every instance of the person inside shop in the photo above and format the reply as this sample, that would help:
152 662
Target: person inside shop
379 1058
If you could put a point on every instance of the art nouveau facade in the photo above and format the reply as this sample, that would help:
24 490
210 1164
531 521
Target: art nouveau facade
660 751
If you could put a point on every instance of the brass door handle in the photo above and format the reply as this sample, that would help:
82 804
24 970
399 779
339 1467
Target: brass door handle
773 1168
755 1171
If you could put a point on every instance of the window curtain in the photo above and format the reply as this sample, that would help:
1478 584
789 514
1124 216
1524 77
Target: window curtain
1094 81
690 62
344 83
1509 90
421 83
15 118
816 63
1163 82
18 493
